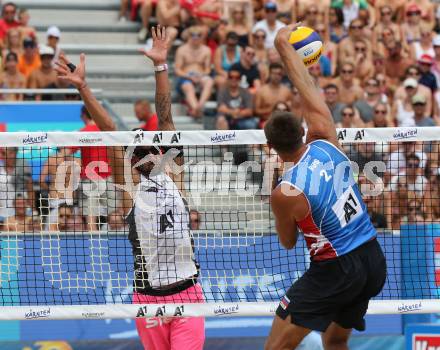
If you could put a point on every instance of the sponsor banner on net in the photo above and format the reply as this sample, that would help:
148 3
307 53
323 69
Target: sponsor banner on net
409 307
35 139
221 310
37 313
90 140
93 315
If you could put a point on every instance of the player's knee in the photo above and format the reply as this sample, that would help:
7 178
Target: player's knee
335 343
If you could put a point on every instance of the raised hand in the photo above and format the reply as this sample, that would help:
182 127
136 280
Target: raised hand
78 77
283 34
159 52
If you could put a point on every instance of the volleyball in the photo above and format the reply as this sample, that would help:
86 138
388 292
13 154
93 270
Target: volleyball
308 44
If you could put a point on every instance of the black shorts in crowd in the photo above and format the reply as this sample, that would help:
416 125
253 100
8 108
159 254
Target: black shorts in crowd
336 290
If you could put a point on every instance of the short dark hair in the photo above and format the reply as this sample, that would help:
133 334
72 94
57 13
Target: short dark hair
339 14
331 86
8 4
284 132
275 65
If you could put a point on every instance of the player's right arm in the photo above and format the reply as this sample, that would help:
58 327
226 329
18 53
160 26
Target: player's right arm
121 167
316 113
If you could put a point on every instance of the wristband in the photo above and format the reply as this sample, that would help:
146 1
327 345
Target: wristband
161 68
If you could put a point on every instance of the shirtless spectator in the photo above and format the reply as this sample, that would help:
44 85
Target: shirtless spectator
270 25
235 107
248 69
192 67
30 59
168 15
53 36
396 62
348 86
12 78
363 61
44 76
25 29
271 93
13 43
145 12
9 10
20 222
386 23
347 45
142 110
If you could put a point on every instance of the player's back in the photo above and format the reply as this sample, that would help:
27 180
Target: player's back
338 221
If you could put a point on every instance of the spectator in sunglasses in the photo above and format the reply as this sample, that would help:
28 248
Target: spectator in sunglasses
225 57
347 45
382 117
349 88
415 181
270 25
235 105
249 69
386 23
238 24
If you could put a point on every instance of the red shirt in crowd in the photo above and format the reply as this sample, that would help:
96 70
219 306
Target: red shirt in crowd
5 26
91 154
152 124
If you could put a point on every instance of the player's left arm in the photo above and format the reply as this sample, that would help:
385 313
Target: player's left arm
288 205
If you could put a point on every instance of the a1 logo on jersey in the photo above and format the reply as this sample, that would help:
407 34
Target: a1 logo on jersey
347 207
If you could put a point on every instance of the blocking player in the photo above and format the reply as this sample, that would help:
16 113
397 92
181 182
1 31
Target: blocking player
158 218
318 195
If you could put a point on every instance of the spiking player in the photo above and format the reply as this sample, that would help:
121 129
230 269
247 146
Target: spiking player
319 196
165 270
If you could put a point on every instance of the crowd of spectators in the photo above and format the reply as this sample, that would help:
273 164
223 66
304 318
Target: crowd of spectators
380 68
26 62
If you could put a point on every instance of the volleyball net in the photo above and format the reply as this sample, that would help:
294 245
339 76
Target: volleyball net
67 252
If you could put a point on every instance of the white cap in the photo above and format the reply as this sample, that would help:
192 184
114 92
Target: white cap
53 31
436 41
46 50
410 82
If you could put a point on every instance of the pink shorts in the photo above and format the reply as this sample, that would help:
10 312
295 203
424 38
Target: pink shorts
180 333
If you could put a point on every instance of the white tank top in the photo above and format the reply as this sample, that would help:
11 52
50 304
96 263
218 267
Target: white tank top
160 234
419 51
404 117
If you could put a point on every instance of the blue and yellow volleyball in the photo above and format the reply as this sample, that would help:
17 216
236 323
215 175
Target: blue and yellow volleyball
308 44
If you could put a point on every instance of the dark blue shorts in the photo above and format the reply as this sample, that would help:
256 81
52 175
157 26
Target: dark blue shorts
336 290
